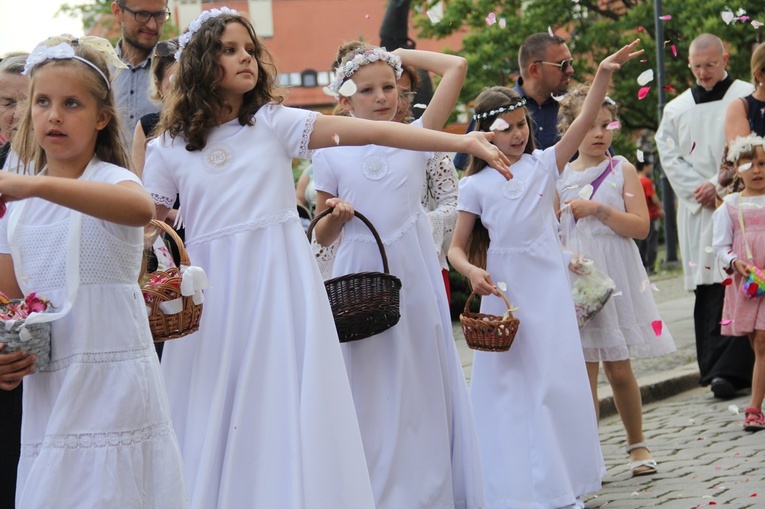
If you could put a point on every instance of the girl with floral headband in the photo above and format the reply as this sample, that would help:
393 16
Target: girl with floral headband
96 419
259 396
739 243
602 226
410 393
536 425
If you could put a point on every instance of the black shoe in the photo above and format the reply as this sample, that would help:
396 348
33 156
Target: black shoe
722 388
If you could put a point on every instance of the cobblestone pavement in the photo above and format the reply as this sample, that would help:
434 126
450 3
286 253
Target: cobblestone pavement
705 458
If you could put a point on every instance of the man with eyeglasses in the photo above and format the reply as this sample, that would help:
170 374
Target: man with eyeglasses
690 141
141 22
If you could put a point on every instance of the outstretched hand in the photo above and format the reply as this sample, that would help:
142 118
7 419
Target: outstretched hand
615 61
482 148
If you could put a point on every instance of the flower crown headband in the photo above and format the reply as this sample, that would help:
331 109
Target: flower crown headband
344 72
487 114
62 48
744 144
195 25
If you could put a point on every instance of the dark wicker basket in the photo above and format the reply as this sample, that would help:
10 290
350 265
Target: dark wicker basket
488 333
365 303
165 327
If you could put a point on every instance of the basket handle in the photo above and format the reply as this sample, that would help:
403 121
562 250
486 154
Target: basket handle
366 221
473 294
178 242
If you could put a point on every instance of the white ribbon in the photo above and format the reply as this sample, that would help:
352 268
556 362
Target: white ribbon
171 307
194 280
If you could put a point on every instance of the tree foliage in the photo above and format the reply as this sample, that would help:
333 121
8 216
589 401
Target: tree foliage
596 29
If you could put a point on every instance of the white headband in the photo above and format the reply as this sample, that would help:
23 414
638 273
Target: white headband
351 66
195 25
744 144
521 102
61 51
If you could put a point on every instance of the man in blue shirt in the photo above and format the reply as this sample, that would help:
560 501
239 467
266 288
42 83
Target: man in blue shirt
546 68
141 22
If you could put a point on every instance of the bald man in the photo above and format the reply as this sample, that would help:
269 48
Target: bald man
690 141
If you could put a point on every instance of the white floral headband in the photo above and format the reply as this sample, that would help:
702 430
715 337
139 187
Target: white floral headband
195 25
521 102
744 144
62 48
351 66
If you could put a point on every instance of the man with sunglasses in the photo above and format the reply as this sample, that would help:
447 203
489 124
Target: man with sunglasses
690 141
546 68
141 22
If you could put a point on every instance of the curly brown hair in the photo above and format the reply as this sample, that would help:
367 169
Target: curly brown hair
194 103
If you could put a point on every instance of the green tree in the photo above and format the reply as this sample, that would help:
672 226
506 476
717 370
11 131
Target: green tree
492 51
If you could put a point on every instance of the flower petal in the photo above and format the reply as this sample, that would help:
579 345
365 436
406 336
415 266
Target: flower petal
643 92
645 77
498 125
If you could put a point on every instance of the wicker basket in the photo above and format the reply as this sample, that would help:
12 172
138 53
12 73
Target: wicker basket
163 326
488 333
365 303
37 341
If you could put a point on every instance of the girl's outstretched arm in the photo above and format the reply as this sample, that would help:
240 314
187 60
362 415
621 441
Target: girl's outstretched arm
452 70
634 222
480 280
569 143
330 131
124 203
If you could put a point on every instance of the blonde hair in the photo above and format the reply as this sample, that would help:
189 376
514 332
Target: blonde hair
757 63
571 106
110 146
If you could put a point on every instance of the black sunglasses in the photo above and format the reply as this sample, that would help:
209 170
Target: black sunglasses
166 48
564 65
145 16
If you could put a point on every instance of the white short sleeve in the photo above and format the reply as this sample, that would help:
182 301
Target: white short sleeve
291 126
157 177
468 197
323 177
4 247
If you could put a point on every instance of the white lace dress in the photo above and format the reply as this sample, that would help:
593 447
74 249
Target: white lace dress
624 328
259 396
410 393
533 406
96 428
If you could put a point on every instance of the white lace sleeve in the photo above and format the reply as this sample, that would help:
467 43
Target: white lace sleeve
440 198
325 256
165 201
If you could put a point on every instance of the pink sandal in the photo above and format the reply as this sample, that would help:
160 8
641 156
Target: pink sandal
755 420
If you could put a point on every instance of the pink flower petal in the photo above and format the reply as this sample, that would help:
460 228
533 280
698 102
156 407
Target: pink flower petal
668 88
613 125
756 24
693 146
643 92
657 326
491 19
498 125
742 18
629 195
726 322
666 17
640 29
674 50
336 138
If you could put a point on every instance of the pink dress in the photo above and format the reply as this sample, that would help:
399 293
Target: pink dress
742 315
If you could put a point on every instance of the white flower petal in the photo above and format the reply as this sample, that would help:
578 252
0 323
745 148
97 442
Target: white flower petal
585 192
498 125
645 77
347 89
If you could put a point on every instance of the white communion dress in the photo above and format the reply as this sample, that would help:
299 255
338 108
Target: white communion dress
624 328
533 407
407 382
96 428
259 395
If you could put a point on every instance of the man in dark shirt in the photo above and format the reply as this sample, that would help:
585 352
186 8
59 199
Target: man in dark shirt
546 68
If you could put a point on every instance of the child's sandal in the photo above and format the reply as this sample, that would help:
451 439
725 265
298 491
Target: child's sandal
755 420
642 467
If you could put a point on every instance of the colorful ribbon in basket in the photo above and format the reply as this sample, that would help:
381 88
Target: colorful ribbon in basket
193 281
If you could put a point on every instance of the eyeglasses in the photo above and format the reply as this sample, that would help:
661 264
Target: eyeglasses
709 66
166 48
145 16
407 95
564 65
